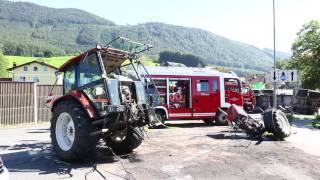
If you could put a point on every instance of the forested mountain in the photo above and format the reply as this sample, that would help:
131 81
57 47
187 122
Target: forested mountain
30 29
279 54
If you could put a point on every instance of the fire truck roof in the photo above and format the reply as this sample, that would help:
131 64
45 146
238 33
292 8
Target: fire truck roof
187 71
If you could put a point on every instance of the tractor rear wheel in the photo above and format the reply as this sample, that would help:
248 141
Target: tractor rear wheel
276 122
70 132
132 138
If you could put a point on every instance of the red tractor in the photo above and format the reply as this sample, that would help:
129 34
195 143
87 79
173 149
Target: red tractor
103 98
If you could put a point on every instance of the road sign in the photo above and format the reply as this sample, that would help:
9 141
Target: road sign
280 76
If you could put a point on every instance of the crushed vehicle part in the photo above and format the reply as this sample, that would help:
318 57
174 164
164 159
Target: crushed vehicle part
241 120
273 121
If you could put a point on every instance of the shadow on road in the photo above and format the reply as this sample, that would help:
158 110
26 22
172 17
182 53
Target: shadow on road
44 130
223 136
186 125
39 157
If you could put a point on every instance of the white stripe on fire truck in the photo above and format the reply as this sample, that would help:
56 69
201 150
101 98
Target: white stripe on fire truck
189 114
179 114
204 114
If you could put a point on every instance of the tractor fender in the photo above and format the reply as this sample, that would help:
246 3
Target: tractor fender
81 98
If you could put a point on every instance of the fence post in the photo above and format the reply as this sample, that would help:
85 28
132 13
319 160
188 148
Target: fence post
35 103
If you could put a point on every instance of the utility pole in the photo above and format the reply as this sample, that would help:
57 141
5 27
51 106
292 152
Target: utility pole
274 58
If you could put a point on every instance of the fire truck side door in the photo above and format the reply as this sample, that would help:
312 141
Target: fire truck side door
205 96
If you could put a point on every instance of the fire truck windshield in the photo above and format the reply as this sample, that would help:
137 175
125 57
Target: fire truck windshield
232 85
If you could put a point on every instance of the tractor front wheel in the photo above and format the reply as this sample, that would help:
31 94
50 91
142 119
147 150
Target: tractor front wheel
126 141
70 132
276 122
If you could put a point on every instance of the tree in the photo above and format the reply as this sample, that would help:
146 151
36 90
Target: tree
3 65
186 59
48 54
306 54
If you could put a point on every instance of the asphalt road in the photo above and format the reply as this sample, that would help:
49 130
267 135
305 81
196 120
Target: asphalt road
186 150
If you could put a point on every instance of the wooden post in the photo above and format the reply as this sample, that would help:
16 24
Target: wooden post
35 104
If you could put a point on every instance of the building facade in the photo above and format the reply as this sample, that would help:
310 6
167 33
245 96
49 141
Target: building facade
34 71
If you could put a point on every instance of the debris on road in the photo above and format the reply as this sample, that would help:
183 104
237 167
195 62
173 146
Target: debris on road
273 121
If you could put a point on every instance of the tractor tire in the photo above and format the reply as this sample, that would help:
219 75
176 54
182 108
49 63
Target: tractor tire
277 123
70 132
132 140
221 119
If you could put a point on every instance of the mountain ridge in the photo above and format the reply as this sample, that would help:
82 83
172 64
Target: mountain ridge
69 31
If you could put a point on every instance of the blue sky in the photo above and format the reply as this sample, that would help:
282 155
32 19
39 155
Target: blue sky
248 21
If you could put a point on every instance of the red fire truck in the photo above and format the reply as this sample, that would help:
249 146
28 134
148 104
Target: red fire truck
193 93
248 98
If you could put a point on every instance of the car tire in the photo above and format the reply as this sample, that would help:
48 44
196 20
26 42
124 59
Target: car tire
69 119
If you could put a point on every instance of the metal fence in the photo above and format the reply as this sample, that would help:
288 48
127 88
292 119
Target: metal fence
23 102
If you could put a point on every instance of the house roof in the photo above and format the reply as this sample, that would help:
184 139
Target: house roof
34 61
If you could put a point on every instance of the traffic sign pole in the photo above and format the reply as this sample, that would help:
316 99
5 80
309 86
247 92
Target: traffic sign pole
274 59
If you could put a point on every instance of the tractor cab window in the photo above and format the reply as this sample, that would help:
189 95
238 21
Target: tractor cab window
89 70
69 80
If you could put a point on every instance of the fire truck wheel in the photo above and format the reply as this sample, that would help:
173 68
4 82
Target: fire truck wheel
221 118
160 116
248 107
132 140
209 121
70 132
277 123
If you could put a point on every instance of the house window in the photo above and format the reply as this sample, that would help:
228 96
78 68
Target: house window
35 68
45 68
36 79
22 79
25 68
